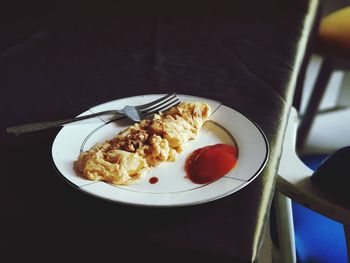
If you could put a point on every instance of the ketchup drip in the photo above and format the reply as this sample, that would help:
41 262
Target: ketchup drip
153 180
210 163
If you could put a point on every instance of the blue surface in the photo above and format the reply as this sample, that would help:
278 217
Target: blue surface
318 239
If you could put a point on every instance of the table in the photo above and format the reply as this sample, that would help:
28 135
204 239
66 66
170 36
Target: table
58 59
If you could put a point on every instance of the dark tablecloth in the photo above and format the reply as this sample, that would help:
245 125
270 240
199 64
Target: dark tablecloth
58 58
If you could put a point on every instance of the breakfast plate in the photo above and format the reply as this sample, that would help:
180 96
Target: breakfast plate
172 187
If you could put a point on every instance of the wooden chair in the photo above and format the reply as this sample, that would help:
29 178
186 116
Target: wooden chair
294 183
332 42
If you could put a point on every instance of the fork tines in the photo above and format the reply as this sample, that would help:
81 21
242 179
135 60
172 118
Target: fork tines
162 104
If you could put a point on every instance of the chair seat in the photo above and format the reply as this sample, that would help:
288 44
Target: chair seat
294 181
334 32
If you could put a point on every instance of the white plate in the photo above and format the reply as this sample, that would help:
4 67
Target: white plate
173 189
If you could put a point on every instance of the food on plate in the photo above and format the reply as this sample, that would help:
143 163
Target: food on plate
210 163
124 158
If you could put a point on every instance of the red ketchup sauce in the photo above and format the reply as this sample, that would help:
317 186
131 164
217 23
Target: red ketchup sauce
210 163
153 180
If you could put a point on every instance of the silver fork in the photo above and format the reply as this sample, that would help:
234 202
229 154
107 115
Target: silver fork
135 113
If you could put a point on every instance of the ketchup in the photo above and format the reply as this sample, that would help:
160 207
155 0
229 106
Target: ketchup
153 180
210 163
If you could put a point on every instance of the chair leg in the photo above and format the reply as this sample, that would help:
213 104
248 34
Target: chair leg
347 238
285 252
314 102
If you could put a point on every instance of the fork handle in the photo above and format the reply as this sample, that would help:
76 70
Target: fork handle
38 126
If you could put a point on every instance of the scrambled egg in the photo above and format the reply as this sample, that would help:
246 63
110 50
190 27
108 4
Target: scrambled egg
124 158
